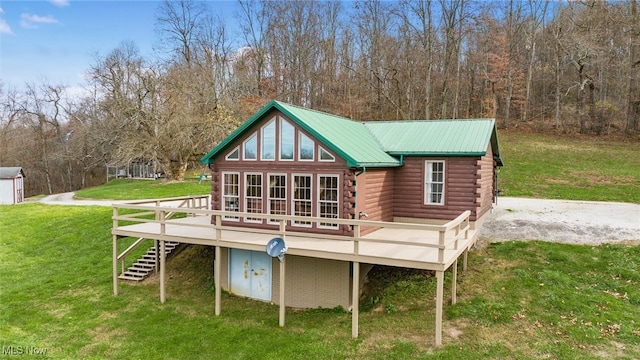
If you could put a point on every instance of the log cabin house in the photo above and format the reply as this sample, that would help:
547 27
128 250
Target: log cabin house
345 195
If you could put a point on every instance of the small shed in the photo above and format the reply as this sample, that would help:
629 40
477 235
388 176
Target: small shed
11 185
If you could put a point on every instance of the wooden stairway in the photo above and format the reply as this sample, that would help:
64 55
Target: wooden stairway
146 265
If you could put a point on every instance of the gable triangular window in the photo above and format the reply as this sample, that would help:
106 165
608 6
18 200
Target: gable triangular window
233 154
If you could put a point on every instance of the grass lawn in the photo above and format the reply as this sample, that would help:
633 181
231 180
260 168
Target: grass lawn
523 300
126 189
572 168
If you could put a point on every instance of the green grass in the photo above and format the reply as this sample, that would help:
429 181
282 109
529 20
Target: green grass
124 189
579 168
523 300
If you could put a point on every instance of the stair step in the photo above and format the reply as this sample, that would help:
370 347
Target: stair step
131 278
146 264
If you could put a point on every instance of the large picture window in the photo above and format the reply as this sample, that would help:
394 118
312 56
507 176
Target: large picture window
230 193
434 183
251 148
253 195
328 199
306 148
302 202
287 135
277 201
269 141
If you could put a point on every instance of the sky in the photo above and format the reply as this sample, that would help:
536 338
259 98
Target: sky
57 41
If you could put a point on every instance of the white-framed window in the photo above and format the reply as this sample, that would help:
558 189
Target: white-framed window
230 193
253 195
268 143
233 154
306 148
301 199
250 148
277 195
287 137
328 203
434 182
325 155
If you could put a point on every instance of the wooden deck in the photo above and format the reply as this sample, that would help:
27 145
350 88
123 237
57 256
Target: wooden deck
412 248
420 246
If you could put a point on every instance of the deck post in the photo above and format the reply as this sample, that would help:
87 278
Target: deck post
157 252
464 260
163 265
282 304
115 265
217 280
439 296
441 249
454 281
355 299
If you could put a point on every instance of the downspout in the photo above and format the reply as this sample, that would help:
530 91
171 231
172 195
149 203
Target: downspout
364 169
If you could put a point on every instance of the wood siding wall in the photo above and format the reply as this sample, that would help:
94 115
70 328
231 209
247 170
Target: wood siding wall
462 190
375 194
486 180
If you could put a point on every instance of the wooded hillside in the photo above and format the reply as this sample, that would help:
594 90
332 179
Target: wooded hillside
570 67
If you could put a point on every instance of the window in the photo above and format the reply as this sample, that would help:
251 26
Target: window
251 148
287 133
325 155
230 194
269 141
253 195
277 202
302 198
328 199
234 154
434 183
305 148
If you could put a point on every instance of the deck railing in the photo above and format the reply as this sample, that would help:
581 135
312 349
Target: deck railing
182 202
153 211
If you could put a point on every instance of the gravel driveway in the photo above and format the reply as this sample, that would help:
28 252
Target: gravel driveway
574 222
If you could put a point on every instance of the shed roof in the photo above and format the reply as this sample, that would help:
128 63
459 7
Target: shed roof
10 172
379 143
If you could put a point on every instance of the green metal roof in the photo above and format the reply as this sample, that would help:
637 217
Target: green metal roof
377 144
470 137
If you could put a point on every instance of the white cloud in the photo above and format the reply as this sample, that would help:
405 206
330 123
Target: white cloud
60 3
4 27
30 21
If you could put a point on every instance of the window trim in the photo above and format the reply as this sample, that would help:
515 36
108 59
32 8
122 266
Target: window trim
321 150
246 197
313 147
428 182
269 198
235 150
327 225
293 200
293 140
263 142
244 147
237 197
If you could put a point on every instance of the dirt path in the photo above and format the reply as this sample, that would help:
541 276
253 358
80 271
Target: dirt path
575 222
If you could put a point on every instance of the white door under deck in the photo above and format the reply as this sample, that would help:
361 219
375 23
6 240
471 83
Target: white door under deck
250 274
